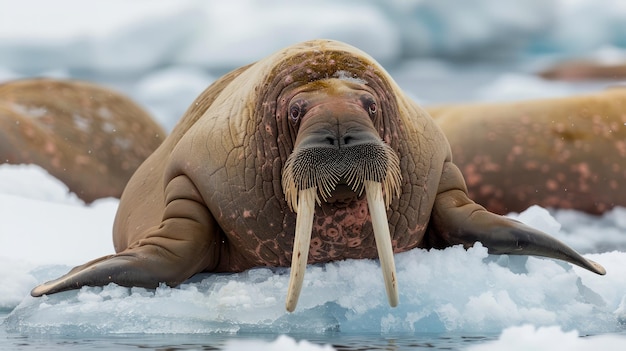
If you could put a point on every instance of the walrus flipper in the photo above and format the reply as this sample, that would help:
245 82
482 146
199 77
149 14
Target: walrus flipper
120 269
458 220
167 253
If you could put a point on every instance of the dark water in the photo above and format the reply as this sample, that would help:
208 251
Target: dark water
340 341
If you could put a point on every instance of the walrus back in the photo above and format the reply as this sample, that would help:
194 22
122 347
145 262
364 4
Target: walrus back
557 152
140 205
88 136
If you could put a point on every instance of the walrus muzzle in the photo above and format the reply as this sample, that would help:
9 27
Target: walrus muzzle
311 172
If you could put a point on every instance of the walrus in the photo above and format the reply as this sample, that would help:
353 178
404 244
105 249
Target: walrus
584 70
310 155
90 137
559 152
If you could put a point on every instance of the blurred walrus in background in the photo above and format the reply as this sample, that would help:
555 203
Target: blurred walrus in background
584 70
561 152
90 137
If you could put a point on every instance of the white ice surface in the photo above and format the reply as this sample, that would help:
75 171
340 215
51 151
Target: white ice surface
521 338
281 343
528 337
117 37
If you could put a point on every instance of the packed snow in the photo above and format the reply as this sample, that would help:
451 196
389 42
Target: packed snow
163 54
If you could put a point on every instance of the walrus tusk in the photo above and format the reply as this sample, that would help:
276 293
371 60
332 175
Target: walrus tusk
378 213
301 241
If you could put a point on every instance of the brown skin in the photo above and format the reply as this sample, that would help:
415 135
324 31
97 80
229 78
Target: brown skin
211 199
584 70
90 137
561 153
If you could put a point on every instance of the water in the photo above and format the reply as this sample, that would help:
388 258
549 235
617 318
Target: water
339 341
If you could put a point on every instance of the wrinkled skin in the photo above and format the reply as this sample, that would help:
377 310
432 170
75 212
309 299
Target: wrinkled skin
562 153
211 197
91 138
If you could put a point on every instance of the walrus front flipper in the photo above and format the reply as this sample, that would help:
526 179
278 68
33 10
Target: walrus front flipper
458 220
120 269
184 243
141 267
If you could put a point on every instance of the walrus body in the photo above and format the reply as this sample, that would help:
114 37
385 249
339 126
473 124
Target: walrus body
318 128
91 138
582 70
561 153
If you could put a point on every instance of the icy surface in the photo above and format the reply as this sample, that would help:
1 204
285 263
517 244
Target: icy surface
527 337
108 37
282 343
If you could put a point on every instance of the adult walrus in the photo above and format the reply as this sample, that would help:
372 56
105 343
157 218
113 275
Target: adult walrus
581 70
316 123
88 136
560 152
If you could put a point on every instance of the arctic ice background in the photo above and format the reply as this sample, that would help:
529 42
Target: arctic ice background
163 53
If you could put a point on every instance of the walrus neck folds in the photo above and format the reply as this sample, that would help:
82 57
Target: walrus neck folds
373 167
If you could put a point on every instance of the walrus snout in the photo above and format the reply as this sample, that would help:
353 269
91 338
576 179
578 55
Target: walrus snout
338 155
338 139
336 124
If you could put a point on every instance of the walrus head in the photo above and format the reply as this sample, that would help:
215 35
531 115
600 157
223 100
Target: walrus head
337 155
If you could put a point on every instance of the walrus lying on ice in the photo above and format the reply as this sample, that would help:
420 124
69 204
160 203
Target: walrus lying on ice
90 137
560 152
314 147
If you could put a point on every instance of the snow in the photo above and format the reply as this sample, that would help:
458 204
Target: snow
108 38
163 54
282 343
528 337
191 32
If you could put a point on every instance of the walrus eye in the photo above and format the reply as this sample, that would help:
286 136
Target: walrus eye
296 111
372 108
369 104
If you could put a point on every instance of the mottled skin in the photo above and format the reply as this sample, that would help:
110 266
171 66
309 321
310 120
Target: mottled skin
90 137
210 198
561 153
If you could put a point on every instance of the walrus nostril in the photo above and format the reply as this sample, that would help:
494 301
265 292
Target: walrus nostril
331 141
347 139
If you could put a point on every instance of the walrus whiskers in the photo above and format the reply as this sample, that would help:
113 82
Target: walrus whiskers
373 167
325 167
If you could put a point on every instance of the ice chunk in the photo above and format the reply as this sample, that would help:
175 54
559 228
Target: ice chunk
528 337
281 343
33 182
451 290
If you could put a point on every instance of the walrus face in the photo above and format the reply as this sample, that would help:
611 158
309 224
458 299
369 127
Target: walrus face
337 154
